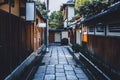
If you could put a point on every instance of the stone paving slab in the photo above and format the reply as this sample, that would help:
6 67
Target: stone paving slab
60 74
60 78
59 65
50 77
59 70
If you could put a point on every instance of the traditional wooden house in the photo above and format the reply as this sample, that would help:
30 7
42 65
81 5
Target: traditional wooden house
101 37
55 35
68 12
18 38
75 30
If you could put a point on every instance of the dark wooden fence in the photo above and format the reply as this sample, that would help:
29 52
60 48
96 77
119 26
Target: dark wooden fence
16 42
106 49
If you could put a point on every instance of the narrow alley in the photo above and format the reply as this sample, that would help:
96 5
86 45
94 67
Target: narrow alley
59 65
59 39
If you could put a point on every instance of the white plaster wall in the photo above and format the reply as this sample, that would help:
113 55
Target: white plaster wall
71 12
65 23
57 37
78 37
64 34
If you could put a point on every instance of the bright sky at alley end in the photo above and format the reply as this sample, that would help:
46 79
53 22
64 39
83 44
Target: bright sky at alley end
54 5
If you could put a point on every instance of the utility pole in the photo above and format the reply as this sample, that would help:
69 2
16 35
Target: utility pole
47 25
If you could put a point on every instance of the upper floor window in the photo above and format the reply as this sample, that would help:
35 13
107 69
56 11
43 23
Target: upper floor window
100 29
113 30
91 30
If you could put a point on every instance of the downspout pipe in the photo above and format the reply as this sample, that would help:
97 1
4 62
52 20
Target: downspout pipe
10 35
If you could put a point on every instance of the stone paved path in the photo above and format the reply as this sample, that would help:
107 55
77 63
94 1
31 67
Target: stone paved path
59 65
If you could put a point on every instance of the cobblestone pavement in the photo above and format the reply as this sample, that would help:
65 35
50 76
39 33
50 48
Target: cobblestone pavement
59 65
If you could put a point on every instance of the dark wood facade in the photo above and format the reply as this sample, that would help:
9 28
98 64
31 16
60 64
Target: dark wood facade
15 42
18 38
106 48
72 35
52 33
103 40
51 37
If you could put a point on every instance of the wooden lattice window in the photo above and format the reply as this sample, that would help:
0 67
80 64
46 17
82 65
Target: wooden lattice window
114 28
91 29
100 28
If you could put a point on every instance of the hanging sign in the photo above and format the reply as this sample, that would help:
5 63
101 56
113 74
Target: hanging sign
41 25
30 11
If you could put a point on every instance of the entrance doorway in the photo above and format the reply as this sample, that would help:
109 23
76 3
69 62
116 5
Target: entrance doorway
57 37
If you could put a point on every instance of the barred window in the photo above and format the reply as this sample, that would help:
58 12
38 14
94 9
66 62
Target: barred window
91 29
114 28
100 28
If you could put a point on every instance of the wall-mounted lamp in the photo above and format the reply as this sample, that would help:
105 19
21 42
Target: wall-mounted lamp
80 31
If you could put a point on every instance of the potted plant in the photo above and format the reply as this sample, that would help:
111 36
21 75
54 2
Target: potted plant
76 47
64 41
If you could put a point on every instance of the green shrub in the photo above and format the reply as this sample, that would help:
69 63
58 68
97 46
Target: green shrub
64 41
76 47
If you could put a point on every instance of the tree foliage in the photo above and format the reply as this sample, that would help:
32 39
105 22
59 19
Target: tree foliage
91 7
79 3
56 19
41 7
80 6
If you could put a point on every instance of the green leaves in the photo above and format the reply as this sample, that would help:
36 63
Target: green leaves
91 7
41 8
56 19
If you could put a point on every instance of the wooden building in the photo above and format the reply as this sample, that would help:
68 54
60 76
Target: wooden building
18 38
101 37
75 30
68 13
55 35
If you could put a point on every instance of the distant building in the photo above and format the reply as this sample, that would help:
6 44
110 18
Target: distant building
68 12
70 1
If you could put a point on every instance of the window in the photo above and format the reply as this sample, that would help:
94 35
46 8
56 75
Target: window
91 30
12 3
113 30
100 29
